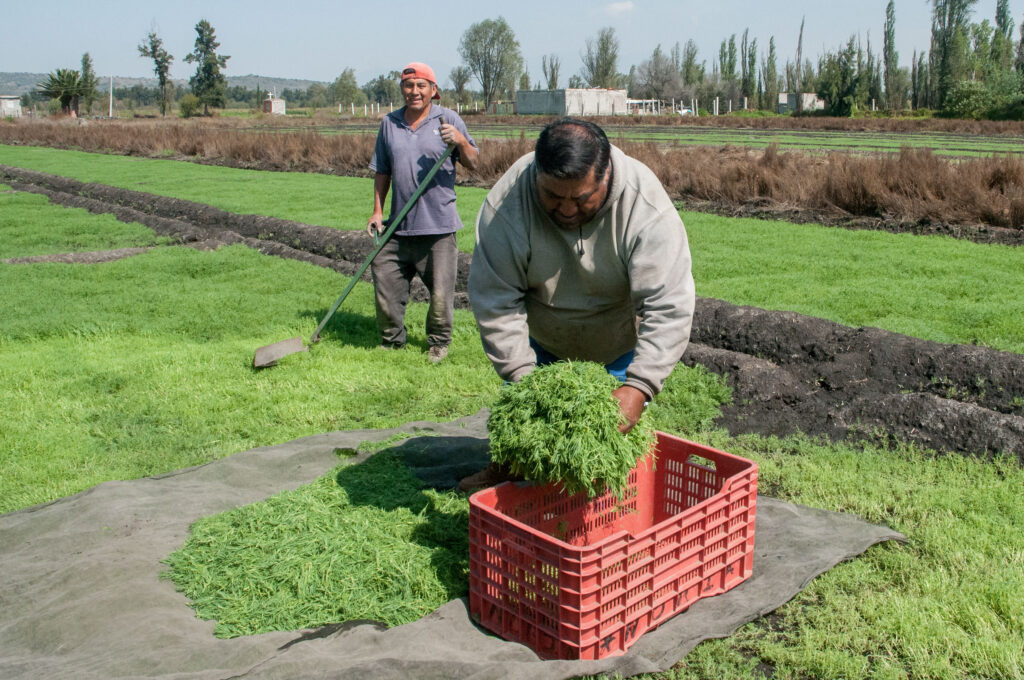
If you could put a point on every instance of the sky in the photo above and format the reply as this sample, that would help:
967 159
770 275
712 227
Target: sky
317 39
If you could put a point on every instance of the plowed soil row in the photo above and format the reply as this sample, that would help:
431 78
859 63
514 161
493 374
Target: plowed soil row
789 372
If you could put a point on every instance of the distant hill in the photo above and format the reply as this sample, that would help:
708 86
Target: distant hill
20 83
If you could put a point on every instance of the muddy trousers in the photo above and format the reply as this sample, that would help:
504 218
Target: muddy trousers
435 259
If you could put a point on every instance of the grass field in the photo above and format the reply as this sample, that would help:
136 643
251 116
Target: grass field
932 287
140 366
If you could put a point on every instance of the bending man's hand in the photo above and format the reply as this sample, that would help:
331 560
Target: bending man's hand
631 405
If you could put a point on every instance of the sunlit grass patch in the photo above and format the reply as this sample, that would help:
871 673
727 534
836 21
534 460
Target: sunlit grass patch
929 287
30 225
144 365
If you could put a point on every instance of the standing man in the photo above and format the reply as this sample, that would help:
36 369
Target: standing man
581 255
409 142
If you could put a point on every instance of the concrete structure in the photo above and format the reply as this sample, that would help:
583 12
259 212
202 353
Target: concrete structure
643 107
787 102
572 102
10 106
273 105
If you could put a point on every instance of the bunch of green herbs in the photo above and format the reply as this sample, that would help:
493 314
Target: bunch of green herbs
560 424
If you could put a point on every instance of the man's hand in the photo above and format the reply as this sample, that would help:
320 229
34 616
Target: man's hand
450 135
375 225
631 404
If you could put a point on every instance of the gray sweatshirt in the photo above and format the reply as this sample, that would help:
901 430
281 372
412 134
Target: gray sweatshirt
630 289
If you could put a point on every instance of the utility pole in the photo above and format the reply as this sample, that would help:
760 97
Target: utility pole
110 113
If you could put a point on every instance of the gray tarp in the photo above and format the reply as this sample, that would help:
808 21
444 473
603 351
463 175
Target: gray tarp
81 597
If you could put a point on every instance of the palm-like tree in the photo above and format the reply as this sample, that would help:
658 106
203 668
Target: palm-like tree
64 85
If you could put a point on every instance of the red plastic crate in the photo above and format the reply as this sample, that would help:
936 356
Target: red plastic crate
579 579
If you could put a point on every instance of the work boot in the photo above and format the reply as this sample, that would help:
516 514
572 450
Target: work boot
437 353
492 475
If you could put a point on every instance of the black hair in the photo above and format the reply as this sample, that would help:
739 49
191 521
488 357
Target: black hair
569 147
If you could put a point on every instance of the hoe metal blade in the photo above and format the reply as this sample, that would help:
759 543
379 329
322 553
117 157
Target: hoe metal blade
268 355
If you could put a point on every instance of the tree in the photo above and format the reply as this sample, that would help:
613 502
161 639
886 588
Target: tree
208 83
1018 62
460 76
1002 39
891 58
88 83
797 79
549 66
64 85
657 78
344 89
748 62
950 44
384 89
688 69
838 80
600 60
748 80
153 49
727 59
491 52
770 77
524 80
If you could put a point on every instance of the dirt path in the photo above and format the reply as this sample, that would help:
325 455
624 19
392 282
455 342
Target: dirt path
789 372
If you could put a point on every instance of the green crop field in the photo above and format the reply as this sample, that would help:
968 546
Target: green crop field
932 287
130 368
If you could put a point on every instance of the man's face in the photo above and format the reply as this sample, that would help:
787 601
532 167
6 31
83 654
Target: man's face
571 203
417 93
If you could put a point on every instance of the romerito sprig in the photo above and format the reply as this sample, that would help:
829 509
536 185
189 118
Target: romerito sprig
560 423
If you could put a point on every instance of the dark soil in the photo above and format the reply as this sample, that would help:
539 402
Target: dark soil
790 373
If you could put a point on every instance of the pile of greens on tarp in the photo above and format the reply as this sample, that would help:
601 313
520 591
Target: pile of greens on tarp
560 423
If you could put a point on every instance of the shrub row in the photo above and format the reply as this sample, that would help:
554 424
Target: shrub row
913 185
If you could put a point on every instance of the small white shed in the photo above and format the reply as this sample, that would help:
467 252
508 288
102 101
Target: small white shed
10 106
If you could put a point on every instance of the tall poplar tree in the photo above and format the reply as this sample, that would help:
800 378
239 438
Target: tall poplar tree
951 44
770 77
1002 39
891 58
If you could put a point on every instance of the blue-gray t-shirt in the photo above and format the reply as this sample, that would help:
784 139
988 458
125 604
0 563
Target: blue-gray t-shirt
407 155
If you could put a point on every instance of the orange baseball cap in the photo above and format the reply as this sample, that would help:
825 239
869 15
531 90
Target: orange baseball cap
420 70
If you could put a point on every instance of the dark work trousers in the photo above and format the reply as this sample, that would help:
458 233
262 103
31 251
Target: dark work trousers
435 260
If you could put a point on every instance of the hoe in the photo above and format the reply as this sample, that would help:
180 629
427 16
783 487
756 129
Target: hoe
270 354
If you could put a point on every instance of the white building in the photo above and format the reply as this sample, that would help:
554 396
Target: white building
273 105
10 106
572 102
812 102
